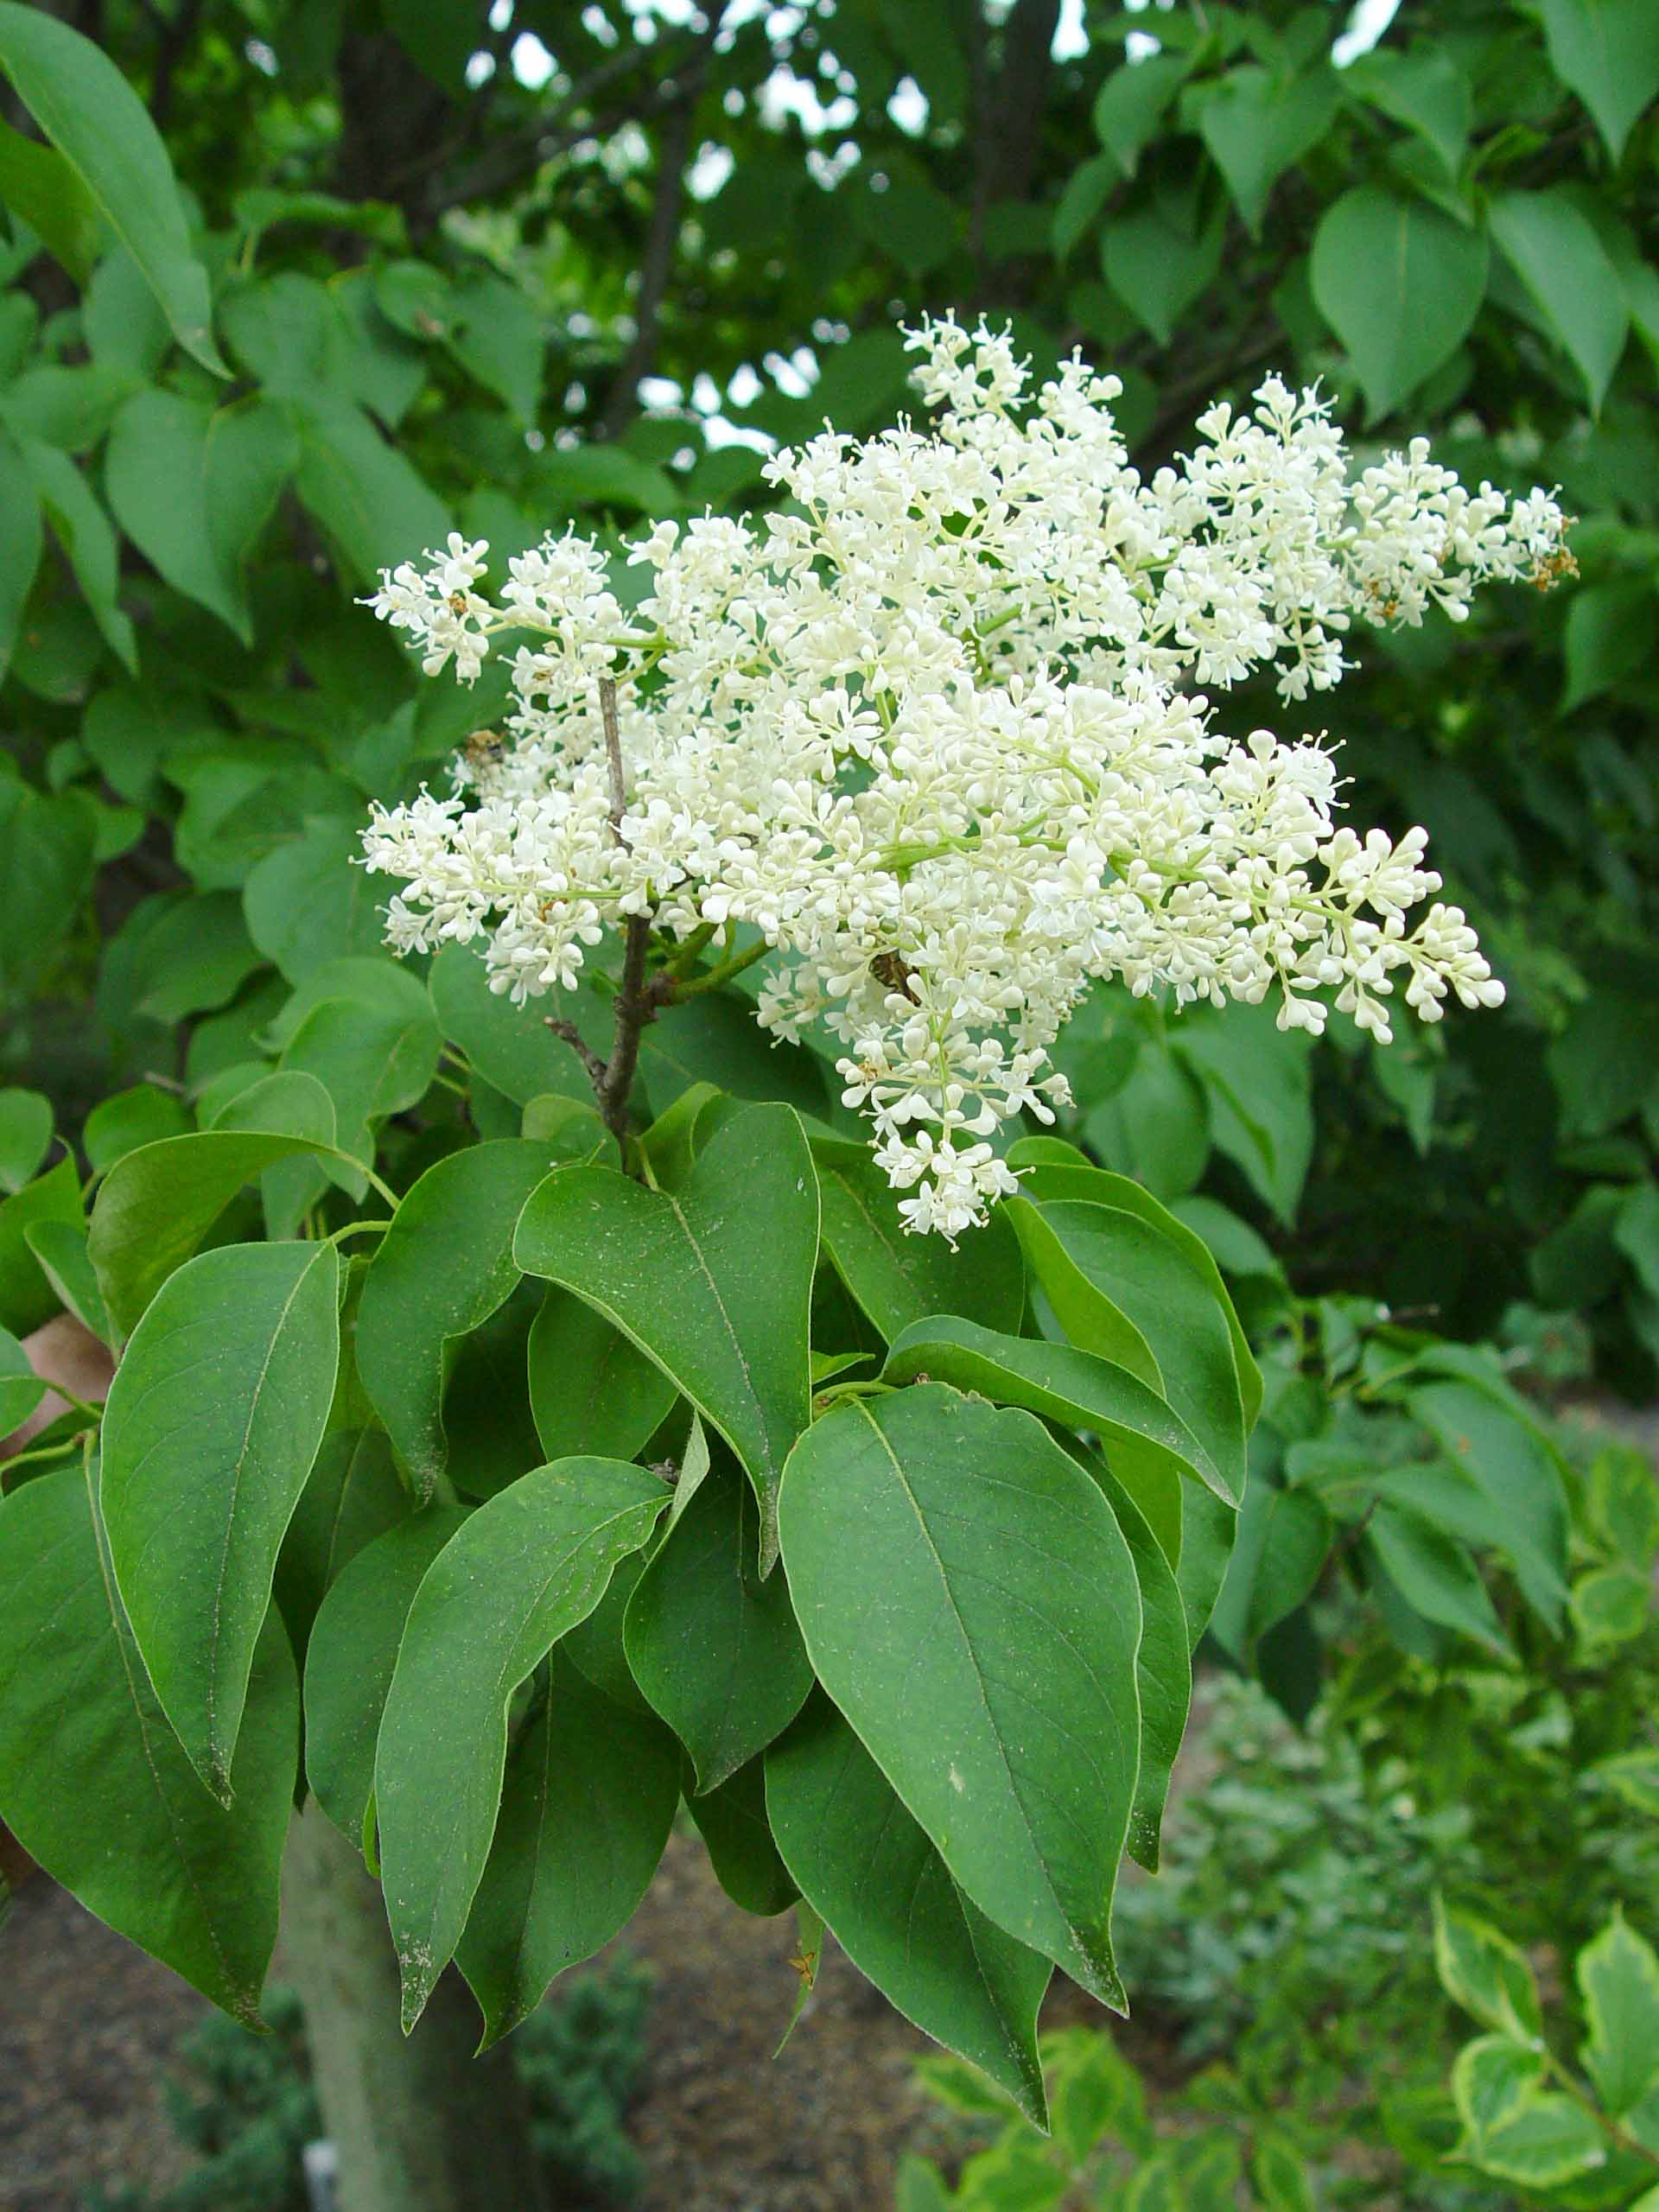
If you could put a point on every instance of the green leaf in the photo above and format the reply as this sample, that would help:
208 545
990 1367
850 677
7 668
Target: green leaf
732 1823
119 1125
362 491
373 1060
308 903
100 126
194 955
863 1863
1163 1667
1425 88
414 297
715 1038
607 476
1517 1475
59 1249
595 1647
1554 249
193 1883
1610 1605
193 488
1435 1576
1092 1321
1400 283
350 1655
1484 1973
25 1134
897 1279
715 1649
1515 2129
1281 2176
440 40
26 1297
1634 1777
1130 105
1150 1275
588 1801
714 1282
1257 125
21 1387
380 982
591 1388
1608 52
214 1417
39 186
1149 1446
83 530
499 336
1087 191
353 1495
285 1103
1283 1540
526 1567
1258 1086
1618 1976
441 1269
122 320
20 519
157 1205
1160 259
487 1405
1609 636
909 219
1094 2094
969 1602
511 1046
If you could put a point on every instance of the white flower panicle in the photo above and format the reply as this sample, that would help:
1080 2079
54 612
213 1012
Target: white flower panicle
927 728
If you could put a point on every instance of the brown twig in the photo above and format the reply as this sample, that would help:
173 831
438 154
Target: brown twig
639 997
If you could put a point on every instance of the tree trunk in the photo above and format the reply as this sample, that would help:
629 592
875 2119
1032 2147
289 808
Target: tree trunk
419 2124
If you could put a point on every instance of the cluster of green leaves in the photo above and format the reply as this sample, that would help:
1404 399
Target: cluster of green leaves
1104 2151
1550 1767
1284 1948
1528 2119
510 1495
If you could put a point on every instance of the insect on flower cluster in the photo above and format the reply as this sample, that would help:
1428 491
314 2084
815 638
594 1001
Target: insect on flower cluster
936 728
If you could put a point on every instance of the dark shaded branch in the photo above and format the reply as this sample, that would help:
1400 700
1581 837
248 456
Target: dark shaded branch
636 1005
662 237
551 135
1011 107
173 41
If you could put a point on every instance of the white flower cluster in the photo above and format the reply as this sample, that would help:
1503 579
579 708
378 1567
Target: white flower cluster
926 728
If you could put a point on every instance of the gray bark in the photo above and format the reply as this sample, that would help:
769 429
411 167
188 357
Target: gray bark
420 2124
